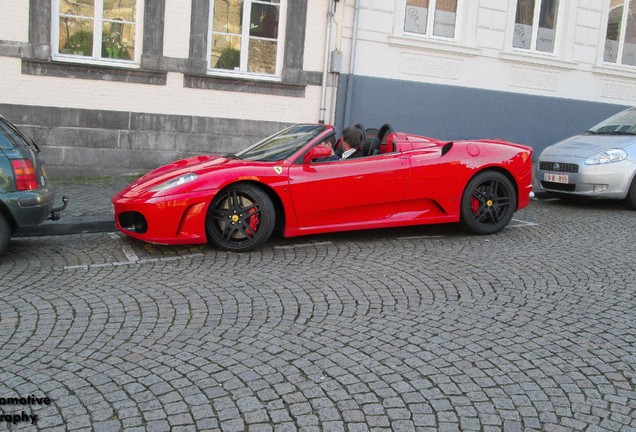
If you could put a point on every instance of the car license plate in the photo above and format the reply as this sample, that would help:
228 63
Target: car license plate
556 178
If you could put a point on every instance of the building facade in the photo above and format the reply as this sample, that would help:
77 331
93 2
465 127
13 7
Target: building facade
122 86
530 71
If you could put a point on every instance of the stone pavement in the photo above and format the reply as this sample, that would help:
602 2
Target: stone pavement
88 210
414 329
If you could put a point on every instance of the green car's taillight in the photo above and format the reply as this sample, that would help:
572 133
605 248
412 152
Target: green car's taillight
24 173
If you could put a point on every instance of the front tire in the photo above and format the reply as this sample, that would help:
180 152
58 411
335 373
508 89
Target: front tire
631 195
240 218
488 203
5 234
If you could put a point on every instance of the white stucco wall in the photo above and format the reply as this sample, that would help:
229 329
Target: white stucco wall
172 98
176 36
14 20
482 55
315 35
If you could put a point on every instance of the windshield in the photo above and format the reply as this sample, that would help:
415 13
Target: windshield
281 145
623 123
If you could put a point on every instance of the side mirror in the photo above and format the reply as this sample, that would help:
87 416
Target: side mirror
318 152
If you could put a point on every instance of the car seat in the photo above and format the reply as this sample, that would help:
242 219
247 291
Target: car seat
371 146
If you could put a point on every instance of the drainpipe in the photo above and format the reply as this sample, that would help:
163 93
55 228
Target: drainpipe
352 65
325 73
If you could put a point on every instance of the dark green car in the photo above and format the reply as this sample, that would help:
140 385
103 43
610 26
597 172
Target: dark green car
26 196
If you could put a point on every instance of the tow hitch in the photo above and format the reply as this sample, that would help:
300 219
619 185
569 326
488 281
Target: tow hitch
55 212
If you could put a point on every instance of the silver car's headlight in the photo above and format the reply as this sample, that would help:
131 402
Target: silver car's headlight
607 156
177 181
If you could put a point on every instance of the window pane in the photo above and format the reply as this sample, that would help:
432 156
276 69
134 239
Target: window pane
523 24
122 10
76 36
118 40
629 48
226 52
416 16
262 56
264 21
613 34
9 138
228 16
230 39
547 25
84 8
445 15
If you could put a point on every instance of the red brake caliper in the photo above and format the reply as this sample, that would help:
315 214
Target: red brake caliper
254 220
474 205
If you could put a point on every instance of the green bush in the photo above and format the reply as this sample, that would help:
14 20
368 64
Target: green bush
81 43
229 59
112 47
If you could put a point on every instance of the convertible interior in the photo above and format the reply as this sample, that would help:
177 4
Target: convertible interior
372 140
382 140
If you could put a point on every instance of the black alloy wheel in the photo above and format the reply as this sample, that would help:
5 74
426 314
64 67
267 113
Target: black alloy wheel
488 203
240 218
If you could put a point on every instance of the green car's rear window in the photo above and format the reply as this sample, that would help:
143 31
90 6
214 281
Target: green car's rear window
10 137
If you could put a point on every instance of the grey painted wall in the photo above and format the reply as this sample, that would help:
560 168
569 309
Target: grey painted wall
453 113
97 142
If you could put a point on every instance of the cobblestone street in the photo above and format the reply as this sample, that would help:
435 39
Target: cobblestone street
423 328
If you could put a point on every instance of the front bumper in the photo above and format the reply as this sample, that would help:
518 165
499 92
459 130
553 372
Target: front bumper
174 219
603 181
30 207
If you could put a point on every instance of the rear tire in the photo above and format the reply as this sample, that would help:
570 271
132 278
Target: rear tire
488 203
631 195
5 234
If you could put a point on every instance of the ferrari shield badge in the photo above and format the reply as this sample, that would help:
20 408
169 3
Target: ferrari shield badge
278 169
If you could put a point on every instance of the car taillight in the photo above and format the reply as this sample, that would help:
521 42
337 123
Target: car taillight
24 172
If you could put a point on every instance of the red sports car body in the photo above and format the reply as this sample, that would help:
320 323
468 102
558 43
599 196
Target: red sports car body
236 201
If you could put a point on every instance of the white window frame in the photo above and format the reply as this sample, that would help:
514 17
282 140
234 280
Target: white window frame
245 37
535 29
97 38
621 39
430 22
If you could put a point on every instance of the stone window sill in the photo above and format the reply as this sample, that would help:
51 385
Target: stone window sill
92 72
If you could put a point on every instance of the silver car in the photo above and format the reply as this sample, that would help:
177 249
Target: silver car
601 163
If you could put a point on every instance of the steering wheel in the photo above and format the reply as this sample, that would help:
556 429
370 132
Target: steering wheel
386 127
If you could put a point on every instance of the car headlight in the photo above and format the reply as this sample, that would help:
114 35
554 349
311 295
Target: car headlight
177 181
607 156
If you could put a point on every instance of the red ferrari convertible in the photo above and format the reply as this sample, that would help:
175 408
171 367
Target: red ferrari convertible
236 201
